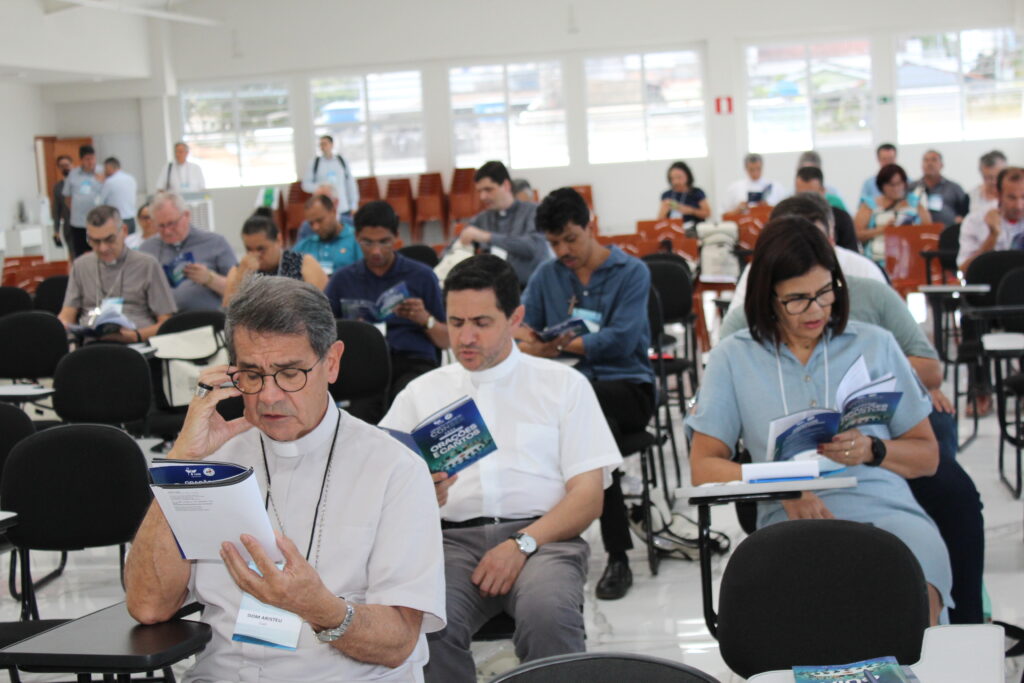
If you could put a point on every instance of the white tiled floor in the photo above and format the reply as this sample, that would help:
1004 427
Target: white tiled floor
661 616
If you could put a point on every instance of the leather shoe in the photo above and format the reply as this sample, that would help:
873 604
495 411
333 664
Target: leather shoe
615 581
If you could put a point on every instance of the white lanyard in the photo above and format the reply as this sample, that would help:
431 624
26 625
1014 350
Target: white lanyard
782 387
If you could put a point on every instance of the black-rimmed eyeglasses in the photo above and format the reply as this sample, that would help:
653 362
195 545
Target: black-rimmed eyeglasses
797 304
287 379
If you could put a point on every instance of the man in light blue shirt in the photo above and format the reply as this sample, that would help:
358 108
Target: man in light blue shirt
119 191
82 193
331 168
886 154
333 243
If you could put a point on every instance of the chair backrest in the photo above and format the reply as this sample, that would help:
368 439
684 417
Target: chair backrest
15 425
423 253
906 268
807 592
672 280
949 245
75 486
604 667
31 345
1011 293
50 294
189 320
14 300
366 364
369 189
105 383
989 269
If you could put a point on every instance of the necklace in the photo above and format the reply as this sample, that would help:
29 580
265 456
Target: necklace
782 386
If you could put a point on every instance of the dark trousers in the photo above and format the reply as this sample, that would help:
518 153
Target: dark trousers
77 242
951 500
628 407
404 369
979 382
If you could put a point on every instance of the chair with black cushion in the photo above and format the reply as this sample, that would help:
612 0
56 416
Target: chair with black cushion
365 373
73 487
15 425
424 253
674 283
102 383
1009 298
604 667
14 300
807 592
662 423
31 345
50 293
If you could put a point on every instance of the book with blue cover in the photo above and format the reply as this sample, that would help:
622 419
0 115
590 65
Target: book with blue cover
577 326
175 270
863 401
375 311
451 439
879 670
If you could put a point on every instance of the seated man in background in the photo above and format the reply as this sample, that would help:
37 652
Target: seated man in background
811 179
885 155
985 196
417 328
511 521
754 190
372 536
811 159
522 190
947 201
195 261
506 225
265 254
609 289
112 275
333 244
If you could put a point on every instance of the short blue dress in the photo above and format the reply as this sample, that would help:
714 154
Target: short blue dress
740 395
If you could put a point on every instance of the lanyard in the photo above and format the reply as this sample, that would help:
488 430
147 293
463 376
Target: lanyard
99 279
269 500
782 387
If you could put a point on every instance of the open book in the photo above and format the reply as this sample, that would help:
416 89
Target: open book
375 311
863 401
451 439
879 670
109 321
207 503
577 326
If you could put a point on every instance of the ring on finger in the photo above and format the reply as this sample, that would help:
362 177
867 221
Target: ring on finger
202 389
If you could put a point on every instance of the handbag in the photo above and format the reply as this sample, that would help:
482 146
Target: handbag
185 355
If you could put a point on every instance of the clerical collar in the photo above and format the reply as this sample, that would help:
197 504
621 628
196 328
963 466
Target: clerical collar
499 371
119 261
313 442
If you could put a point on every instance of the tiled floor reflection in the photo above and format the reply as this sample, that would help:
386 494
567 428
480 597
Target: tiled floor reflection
661 616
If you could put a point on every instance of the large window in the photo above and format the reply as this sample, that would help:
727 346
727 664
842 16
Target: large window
645 106
956 86
240 134
510 112
376 120
809 95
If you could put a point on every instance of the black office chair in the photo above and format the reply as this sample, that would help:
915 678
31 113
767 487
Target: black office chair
662 412
603 667
12 632
73 487
31 345
1010 293
102 383
50 293
807 592
365 373
14 300
423 253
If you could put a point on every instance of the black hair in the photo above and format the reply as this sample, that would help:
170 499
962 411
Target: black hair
143 205
808 205
809 173
494 170
323 200
786 248
327 137
888 172
1010 173
988 159
260 222
99 215
376 214
682 166
486 271
113 161
85 149
885 146
563 206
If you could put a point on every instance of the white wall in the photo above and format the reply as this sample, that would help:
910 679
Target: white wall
115 127
25 116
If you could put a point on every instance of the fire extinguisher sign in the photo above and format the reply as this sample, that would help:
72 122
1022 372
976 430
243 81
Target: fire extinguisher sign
723 105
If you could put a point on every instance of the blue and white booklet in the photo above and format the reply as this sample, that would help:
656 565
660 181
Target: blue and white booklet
175 270
577 326
375 311
864 401
207 503
451 439
878 670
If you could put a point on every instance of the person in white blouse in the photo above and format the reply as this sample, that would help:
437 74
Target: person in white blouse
354 511
181 175
754 189
512 520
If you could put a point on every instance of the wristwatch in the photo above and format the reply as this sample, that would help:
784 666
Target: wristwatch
527 543
431 321
878 452
329 635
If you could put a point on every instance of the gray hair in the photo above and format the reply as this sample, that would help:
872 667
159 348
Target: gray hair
520 184
990 159
99 215
809 158
933 151
162 197
268 304
181 143
753 158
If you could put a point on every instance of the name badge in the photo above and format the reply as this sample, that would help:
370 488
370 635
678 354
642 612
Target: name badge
115 303
261 624
590 318
328 266
500 253
935 202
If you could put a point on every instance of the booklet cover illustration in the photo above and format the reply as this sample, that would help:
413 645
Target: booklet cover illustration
451 439
577 326
880 670
176 269
109 321
375 311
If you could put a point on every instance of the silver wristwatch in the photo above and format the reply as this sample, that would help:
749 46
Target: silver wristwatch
329 635
527 543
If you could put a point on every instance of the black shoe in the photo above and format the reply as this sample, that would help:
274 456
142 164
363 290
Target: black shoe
615 581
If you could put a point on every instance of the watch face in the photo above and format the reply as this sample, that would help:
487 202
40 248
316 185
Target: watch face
527 543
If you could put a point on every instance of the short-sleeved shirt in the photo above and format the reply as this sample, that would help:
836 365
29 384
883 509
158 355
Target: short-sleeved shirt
335 254
546 423
135 277
84 190
974 231
980 203
403 335
182 178
692 197
760 191
618 291
515 231
209 249
945 201
380 544
119 191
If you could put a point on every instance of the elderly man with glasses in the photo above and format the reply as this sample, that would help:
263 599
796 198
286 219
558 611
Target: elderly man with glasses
195 261
354 511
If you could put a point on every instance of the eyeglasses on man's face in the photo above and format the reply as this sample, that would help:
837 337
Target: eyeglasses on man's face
169 224
799 303
287 379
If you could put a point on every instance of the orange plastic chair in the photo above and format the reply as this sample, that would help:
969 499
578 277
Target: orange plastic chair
400 198
463 201
670 229
431 205
369 189
903 261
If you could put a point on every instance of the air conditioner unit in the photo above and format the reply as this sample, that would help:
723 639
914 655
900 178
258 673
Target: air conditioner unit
200 205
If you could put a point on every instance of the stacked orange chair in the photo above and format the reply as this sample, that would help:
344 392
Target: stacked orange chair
906 267
431 205
399 196
294 212
463 201
369 189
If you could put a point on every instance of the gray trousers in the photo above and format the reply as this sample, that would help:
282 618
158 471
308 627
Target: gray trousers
545 601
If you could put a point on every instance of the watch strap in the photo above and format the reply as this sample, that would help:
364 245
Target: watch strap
329 635
878 452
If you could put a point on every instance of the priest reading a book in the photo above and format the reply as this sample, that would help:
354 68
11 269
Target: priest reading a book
354 578
798 357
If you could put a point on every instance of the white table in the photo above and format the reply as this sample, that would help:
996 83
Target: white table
20 393
955 289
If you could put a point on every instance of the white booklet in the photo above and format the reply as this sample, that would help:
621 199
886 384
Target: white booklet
207 503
